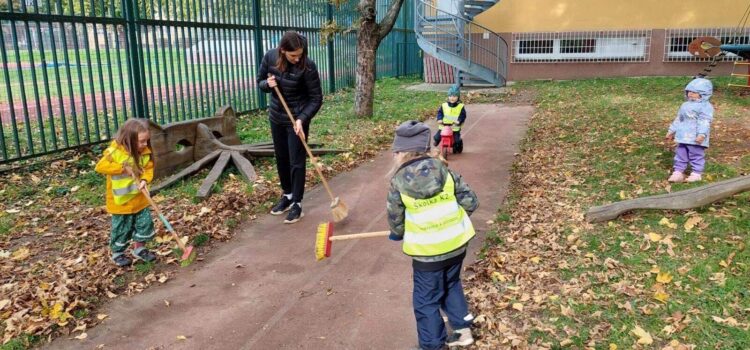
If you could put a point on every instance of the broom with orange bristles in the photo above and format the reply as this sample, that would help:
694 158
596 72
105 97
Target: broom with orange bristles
338 208
324 239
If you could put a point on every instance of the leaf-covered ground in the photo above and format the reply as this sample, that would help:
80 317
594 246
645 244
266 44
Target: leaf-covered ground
650 279
54 261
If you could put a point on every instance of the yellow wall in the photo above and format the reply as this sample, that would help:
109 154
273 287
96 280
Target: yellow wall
571 15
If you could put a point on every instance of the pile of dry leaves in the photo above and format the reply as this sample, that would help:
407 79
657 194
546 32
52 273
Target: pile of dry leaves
54 265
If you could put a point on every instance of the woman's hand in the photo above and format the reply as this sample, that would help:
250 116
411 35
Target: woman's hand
298 129
271 81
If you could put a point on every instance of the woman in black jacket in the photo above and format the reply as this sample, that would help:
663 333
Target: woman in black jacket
298 80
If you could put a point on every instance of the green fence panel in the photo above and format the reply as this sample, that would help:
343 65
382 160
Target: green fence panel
75 70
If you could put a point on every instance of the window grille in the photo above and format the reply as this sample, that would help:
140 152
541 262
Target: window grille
676 42
588 46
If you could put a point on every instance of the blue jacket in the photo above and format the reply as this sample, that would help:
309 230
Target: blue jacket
694 117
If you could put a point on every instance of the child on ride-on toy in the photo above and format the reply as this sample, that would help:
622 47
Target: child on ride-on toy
452 112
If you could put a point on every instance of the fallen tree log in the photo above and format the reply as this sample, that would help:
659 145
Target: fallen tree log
692 198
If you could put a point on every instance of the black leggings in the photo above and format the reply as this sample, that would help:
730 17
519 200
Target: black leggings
290 158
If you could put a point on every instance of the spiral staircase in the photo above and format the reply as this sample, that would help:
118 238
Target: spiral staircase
477 54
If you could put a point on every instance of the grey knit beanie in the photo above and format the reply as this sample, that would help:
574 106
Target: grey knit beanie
412 136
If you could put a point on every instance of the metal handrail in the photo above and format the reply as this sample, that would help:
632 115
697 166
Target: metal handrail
460 31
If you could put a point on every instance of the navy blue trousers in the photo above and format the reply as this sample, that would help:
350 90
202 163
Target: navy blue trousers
435 290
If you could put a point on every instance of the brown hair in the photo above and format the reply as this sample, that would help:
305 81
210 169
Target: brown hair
127 137
291 41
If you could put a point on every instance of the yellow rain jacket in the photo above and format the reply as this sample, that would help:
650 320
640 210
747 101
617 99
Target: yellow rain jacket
127 200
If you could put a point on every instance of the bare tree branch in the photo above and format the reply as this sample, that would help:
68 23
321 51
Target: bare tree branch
385 26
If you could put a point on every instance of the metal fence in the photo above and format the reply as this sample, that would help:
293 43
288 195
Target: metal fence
74 70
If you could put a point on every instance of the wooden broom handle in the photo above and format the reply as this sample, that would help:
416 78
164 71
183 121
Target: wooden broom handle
359 235
158 212
302 138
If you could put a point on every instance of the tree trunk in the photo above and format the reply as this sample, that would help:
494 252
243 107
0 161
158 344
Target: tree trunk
367 46
692 198
369 36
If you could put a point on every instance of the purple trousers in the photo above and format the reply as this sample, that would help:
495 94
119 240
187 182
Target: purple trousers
689 154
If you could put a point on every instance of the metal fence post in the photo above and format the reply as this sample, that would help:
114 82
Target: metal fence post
331 52
258 41
131 18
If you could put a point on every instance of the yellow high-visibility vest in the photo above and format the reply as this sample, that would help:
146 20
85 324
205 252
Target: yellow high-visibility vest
451 114
124 187
436 225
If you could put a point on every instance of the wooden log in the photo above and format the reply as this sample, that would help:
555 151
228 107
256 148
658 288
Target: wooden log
244 166
190 170
216 171
692 198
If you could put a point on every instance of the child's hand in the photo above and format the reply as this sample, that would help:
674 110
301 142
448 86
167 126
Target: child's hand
126 169
669 136
700 138
143 185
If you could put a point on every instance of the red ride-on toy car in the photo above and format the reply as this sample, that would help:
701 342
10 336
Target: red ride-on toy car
447 144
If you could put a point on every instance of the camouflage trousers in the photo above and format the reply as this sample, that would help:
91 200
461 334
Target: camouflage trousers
138 227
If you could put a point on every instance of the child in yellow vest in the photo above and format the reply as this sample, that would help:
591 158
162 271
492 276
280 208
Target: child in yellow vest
428 209
452 112
129 169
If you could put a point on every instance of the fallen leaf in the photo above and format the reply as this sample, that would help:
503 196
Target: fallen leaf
691 222
82 336
661 296
666 222
654 237
101 316
167 303
181 337
644 337
4 303
612 346
518 306
664 277
20 254
204 210
75 188
535 260
12 211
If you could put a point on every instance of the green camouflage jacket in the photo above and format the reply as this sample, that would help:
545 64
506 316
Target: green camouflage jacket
424 178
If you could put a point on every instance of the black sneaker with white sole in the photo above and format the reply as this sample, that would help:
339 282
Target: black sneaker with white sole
144 254
295 213
281 206
122 260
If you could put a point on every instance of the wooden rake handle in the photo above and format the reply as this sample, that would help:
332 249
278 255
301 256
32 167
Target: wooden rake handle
359 235
302 138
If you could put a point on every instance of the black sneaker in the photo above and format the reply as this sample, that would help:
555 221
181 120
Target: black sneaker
295 213
281 206
145 255
122 261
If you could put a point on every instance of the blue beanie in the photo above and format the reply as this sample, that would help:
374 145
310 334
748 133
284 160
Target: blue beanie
454 91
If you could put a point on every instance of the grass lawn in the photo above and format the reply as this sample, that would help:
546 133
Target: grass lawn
650 279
